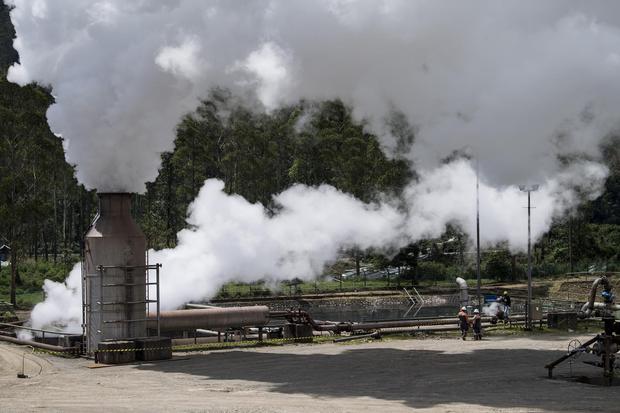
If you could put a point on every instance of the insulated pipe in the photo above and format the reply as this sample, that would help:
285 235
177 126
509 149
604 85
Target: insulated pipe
439 329
301 316
278 314
212 318
586 310
601 306
463 291
207 332
357 337
199 306
413 323
43 346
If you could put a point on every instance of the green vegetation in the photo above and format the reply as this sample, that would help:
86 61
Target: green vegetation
44 212
235 290
258 155
32 274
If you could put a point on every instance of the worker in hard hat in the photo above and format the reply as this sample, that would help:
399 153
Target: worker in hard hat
477 325
507 303
463 322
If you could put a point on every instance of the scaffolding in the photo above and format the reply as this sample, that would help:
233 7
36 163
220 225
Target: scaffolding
96 315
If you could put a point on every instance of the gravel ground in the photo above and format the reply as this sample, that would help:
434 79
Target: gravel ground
500 374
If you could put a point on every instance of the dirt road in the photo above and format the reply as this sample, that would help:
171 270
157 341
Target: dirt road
436 375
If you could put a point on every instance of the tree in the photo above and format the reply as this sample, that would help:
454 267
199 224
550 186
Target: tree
8 55
406 260
498 266
24 140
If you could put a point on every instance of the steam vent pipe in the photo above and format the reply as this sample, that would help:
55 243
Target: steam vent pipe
213 318
588 307
463 292
114 273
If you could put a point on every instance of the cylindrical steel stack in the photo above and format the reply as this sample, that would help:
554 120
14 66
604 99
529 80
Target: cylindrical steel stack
115 275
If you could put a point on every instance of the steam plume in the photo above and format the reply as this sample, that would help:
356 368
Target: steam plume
517 84
230 238
62 307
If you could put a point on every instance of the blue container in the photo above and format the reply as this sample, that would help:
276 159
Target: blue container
490 298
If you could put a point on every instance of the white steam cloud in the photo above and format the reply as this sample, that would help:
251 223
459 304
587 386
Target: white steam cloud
447 195
514 83
229 238
62 308
517 84
492 309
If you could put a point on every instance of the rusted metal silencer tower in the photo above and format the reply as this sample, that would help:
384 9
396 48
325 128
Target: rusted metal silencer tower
114 274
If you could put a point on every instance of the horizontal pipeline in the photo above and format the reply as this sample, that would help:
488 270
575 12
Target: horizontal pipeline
211 318
416 323
338 327
35 344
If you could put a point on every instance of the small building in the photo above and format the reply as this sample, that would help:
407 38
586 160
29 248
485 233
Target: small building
5 253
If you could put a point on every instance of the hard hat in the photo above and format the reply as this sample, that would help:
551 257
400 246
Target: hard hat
463 308
505 292
476 311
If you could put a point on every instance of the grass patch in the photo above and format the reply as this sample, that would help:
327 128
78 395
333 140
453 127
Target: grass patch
328 285
29 300
32 274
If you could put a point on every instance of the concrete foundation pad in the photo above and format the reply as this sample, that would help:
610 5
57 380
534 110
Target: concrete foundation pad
116 352
153 348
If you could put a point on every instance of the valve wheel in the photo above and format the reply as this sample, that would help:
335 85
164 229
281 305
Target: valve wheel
574 345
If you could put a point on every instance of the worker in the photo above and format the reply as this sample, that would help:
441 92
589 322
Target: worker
463 322
506 302
477 325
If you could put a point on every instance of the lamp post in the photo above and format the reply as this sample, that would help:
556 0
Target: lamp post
478 236
528 313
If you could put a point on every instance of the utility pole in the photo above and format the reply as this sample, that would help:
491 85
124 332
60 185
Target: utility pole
528 312
570 243
478 235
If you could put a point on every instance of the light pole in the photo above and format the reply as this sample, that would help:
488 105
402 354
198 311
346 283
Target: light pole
528 312
570 243
478 235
